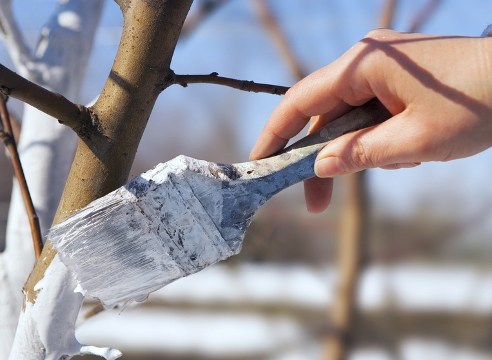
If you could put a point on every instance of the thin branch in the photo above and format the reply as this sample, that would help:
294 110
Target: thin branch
424 14
244 85
267 19
387 16
16 127
6 134
97 309
205 9
49 102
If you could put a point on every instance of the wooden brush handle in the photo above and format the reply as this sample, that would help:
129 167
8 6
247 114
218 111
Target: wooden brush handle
367 115
295 163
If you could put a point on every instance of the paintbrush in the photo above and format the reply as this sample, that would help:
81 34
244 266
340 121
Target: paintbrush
183 215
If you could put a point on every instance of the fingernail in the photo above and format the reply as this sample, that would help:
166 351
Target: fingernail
408 165
329 167
400 165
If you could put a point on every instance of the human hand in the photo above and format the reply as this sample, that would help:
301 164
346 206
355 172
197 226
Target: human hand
438 89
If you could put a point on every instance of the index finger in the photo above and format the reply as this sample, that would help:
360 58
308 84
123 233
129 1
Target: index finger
314 95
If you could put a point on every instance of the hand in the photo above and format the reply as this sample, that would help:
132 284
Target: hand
438 89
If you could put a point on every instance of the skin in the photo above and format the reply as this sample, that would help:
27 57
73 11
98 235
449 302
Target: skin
438 89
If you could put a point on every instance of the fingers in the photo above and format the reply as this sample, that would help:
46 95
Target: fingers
314 95
397 143
330 92
401 166
318 193
440 114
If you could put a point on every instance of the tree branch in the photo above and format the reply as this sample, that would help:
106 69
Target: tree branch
205 8
271 25
7 136
387 14
49 102
424 14
244 85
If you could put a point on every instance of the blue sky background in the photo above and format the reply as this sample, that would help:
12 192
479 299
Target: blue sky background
231 42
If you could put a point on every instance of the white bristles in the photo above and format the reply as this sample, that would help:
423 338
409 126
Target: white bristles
142 236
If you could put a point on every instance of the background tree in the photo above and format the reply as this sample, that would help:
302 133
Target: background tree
57 63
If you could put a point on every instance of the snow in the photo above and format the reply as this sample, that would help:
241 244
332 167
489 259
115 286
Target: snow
415 287
210 334
266 284
225 331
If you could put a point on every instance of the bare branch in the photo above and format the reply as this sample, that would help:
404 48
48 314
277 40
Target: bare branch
271 25
387 13
244 85
16 127
7 135
51 103
424 14
204 10
99 308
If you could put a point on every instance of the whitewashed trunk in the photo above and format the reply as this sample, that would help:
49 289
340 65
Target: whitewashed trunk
47 328
46 151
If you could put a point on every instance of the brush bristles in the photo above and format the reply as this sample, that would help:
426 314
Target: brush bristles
140 237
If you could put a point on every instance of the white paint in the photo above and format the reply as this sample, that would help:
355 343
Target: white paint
70 20
79 289
107 353
50 320
43 43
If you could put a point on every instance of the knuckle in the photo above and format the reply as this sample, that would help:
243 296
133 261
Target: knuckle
289 94
359 157
377 34
291 97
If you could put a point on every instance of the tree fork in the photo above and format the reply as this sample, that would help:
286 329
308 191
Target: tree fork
142 64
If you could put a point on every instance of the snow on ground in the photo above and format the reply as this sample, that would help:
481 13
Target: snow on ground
415 287
227 333
210 334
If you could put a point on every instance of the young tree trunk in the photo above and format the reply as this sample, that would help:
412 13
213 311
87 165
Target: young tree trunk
102 163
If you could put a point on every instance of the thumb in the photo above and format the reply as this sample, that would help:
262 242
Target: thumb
394 144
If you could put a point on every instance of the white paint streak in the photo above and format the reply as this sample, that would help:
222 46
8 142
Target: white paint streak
70 20
50 320
79 289
106 353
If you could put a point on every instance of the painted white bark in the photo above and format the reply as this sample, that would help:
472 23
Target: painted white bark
46 151
47 327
